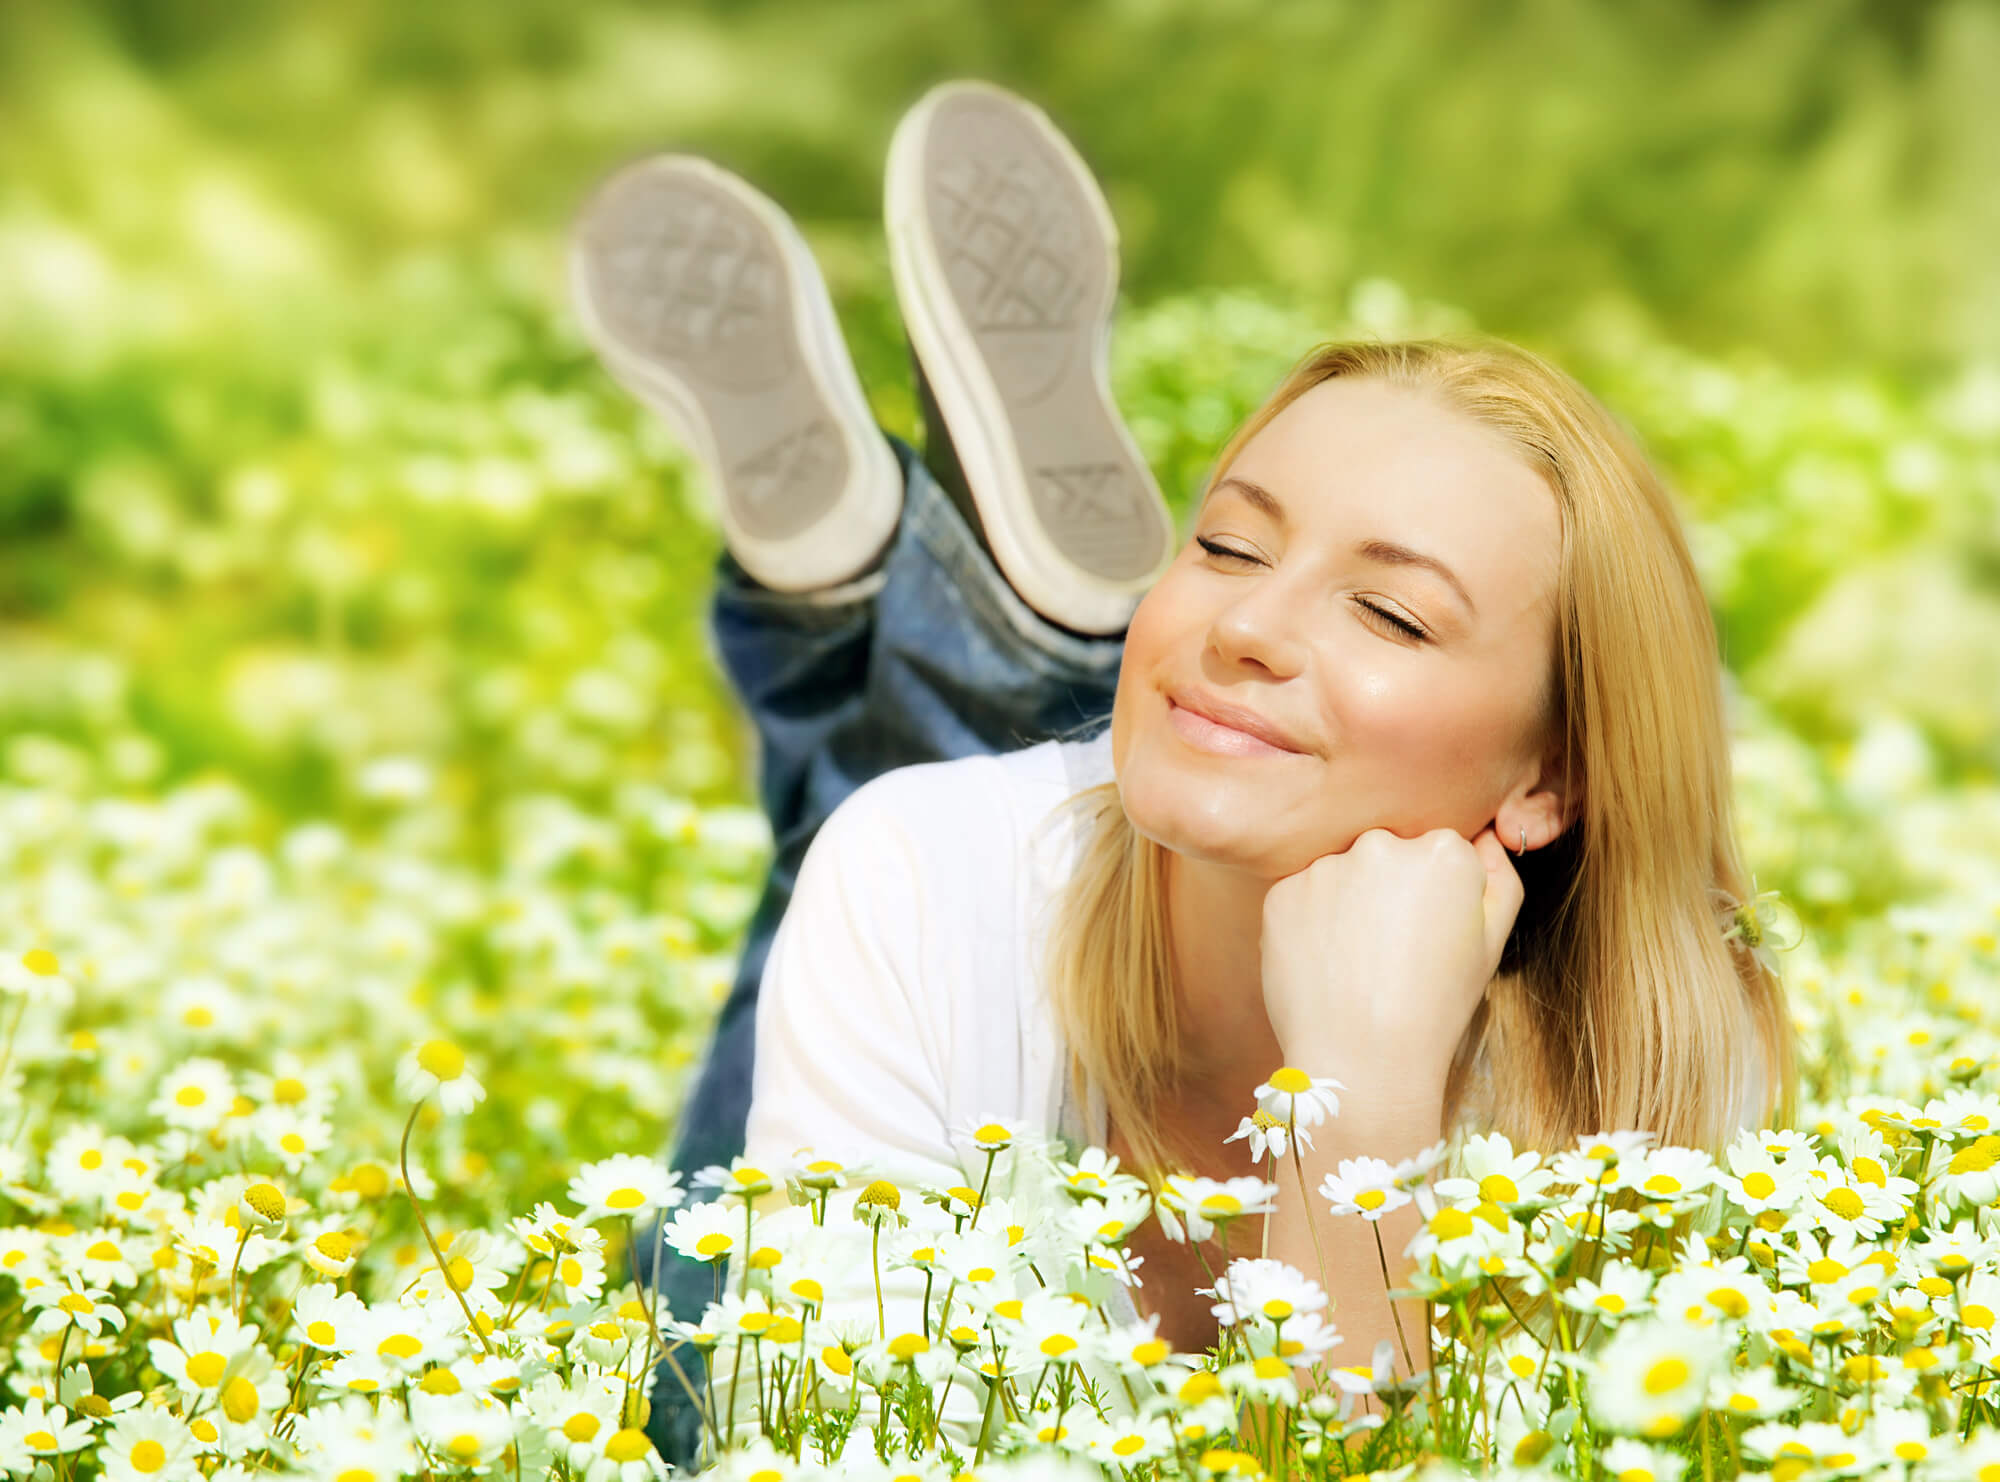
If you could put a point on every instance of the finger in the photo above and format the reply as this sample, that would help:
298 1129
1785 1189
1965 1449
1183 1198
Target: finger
1504 892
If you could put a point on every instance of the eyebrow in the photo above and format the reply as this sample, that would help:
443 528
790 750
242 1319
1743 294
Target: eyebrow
1388 552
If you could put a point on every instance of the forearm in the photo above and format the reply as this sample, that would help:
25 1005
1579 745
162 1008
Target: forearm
1391 1122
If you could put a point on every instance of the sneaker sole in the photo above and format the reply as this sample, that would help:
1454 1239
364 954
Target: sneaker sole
704 302
1006 265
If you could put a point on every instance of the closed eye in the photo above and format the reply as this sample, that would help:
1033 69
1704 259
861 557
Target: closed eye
1409 630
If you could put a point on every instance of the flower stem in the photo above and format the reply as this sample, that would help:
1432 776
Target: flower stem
409 1189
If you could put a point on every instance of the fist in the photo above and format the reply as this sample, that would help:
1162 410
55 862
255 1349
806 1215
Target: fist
1375 958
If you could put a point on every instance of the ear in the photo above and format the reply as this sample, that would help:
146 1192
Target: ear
1552 799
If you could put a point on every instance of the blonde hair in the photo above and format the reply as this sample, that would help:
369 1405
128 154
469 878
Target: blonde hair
1618 1003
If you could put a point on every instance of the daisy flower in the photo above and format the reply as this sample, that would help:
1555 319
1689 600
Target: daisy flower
1668 1174
624 1184
1752 1392
1095 1175
69 1302
1635 1461
461 1431
1189 1208
332 1253
1704 1291
438 1066
1652 1377
293 1135
1127 1441
46 1430
705 1232
1364 1186
1267 1135
147 1445
1491 1172
575 1414
36 977
1622 1290
742 1178
1262 1288
1755 1180
1593 1162
330 1319
1299 1100
195 1095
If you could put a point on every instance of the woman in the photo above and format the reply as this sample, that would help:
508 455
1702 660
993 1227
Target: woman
1416 774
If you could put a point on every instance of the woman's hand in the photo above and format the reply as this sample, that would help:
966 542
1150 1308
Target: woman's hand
1375 958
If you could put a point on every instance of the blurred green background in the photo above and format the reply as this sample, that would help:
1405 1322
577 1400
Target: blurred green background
304 467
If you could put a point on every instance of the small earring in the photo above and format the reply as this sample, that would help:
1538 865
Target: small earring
1523 850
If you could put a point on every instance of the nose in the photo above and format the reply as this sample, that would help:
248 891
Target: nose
1260 627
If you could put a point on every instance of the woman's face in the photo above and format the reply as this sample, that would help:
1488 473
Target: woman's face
1383 729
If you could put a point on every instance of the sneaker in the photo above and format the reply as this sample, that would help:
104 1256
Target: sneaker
704 302
1006 266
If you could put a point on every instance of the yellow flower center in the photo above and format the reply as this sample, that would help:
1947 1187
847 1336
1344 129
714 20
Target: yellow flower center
1759 1185
1667 1374
41 962
205 1370
581 1427
147 1456
1843 1202
266 1200
444 1060
627 1445
627 1198
239 1400
1291 1081
334 1245
1451 1224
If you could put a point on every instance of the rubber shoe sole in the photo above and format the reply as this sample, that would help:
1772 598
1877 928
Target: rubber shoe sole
704 302
1005 259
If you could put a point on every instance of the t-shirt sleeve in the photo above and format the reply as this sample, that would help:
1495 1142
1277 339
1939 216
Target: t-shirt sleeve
852 1042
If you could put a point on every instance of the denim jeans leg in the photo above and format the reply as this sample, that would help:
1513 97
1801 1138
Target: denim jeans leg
929 657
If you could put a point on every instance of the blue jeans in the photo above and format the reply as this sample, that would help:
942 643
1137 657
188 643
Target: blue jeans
930 655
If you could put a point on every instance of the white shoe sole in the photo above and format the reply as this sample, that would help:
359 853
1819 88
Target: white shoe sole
705 303
1005 259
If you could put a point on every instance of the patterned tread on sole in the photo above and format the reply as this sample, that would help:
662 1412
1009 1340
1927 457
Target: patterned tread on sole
696 285
765 485
1010 233
1104 523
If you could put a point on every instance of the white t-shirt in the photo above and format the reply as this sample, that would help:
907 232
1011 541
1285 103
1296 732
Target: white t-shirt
902 1002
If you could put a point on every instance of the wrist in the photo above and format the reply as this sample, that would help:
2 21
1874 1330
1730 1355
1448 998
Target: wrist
1377 1091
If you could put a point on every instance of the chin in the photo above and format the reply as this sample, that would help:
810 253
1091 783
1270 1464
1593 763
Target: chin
1199 811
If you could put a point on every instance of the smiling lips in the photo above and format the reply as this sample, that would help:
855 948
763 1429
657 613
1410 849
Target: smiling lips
1226 730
